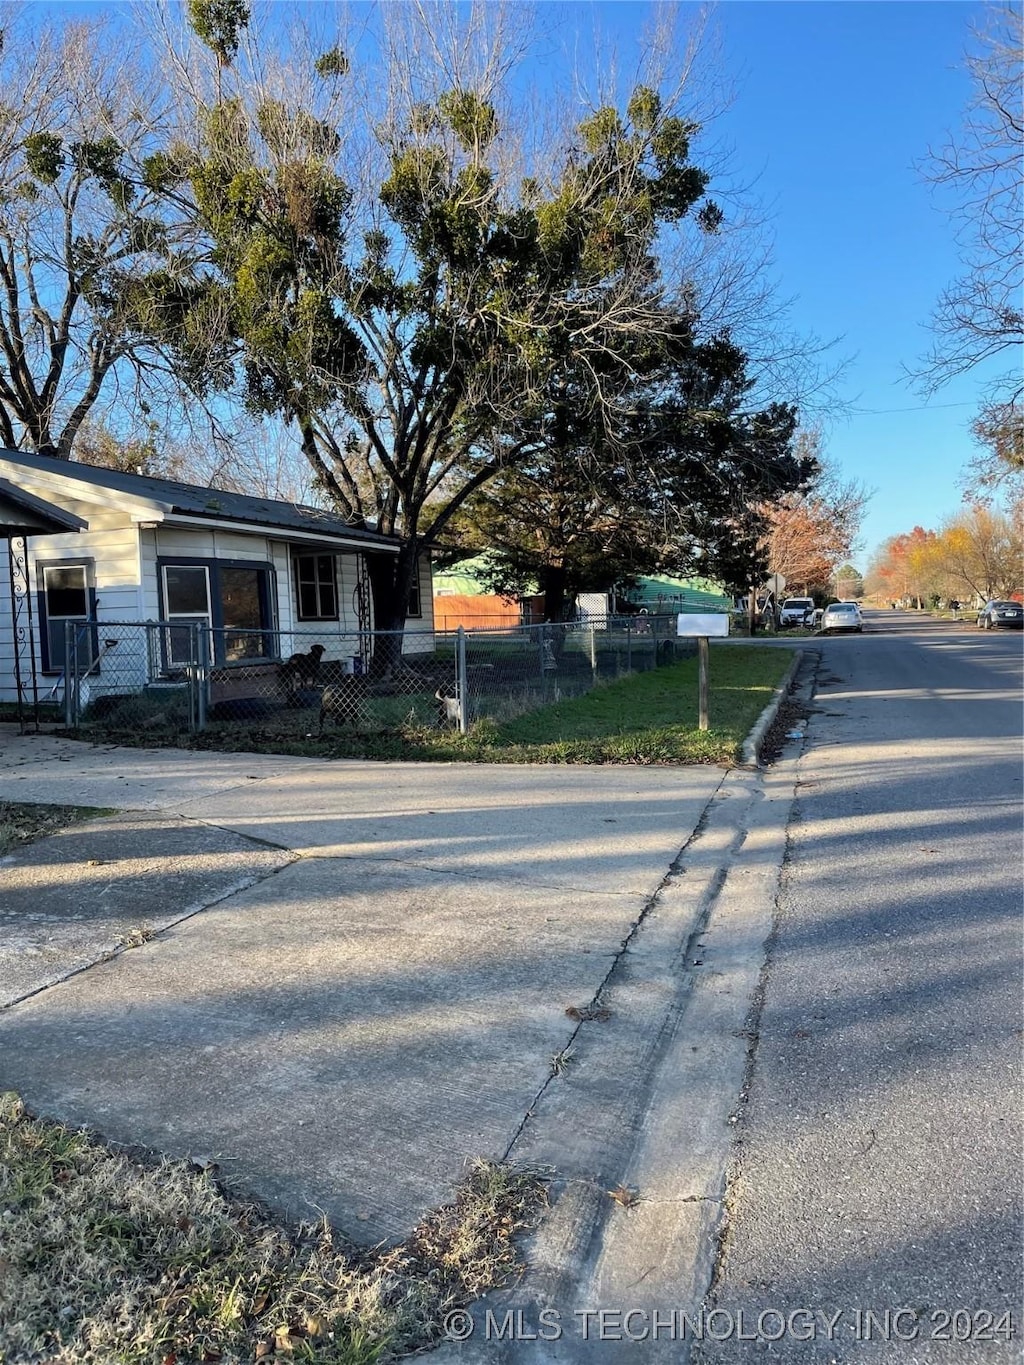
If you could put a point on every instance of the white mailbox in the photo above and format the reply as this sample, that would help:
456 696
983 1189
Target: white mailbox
707 624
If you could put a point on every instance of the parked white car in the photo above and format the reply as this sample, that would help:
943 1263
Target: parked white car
795 610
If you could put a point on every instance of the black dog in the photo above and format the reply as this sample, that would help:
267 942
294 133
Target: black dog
302 669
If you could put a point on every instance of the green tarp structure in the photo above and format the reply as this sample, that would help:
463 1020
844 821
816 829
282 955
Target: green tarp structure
673 595
661 595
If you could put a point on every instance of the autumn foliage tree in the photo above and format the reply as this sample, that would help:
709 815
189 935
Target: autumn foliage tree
976 554
810 532
980 551
900 570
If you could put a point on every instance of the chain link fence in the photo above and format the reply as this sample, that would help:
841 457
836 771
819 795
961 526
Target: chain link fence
179 677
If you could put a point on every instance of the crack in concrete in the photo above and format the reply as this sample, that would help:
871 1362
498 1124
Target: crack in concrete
309 855
675 869
190 912
805 685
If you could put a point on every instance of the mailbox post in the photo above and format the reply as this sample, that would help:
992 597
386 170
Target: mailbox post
700 626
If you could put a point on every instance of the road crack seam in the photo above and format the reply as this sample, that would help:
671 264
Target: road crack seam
675 870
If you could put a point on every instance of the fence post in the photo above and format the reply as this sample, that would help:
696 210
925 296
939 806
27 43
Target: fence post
629 647
462 680
593 649
76 682
199 671
152 651
69 645
702 681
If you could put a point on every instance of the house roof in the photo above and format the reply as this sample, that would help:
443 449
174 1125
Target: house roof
23 514
167 498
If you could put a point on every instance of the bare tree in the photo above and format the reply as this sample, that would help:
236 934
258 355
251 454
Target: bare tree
247 456
998 431
80 232
980 315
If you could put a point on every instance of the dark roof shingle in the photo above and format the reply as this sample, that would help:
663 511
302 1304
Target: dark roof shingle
192 500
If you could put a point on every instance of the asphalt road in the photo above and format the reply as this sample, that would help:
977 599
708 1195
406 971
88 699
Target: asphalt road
878 1166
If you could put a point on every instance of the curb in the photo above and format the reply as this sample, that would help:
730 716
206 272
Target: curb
752 745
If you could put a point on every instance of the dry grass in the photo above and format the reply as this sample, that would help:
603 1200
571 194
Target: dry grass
21 822
104 1259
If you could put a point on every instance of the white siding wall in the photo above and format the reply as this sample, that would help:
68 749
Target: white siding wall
283 593
128 590
419 630
8 691
199 543
340 638
114 553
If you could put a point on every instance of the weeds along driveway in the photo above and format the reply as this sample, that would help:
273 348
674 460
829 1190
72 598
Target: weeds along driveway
345 1033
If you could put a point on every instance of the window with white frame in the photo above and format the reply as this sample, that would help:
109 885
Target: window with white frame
68 598
232 599
186 599
316 587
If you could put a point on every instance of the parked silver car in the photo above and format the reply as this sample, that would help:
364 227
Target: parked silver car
842 616
1000 614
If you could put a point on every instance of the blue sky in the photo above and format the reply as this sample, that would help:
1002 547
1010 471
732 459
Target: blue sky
835 104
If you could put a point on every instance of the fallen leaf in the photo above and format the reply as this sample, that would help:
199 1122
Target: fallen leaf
623 1195
588 1013
283 1340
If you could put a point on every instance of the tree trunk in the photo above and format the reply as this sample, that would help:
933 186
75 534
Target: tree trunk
391 580
554 585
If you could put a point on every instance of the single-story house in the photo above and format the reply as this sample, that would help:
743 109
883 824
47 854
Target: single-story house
261 579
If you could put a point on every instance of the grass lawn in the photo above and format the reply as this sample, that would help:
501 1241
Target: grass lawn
644 718
106 1258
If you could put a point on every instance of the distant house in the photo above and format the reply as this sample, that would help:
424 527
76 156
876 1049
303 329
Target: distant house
460 599
264 579
659 596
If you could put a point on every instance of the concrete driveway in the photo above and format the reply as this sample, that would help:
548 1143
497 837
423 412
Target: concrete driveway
358 973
